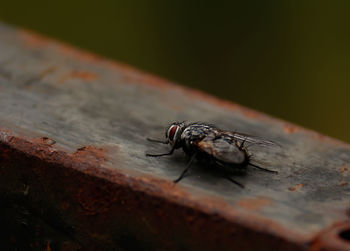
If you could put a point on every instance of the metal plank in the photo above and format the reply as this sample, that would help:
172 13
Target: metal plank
73 131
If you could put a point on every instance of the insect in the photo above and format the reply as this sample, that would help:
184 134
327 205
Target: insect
224 149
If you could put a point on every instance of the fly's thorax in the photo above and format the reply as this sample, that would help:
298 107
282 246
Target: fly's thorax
195 132
190 136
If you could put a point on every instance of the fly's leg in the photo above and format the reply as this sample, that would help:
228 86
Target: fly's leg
161 154
158 141
233 181
186 169
227 176
263 169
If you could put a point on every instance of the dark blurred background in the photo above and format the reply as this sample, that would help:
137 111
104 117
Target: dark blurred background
289 59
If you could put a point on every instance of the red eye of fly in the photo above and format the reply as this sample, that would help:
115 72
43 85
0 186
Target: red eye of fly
172 132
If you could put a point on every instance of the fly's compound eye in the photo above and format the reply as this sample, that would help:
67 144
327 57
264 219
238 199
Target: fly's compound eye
172 132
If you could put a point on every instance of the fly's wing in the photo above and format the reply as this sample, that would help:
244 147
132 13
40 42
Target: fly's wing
253 140
221 148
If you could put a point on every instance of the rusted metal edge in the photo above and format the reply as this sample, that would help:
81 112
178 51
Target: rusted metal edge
77 167
330 238
160 190
88 163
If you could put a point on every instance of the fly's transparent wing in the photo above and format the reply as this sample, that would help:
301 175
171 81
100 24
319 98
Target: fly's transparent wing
253 140
221 148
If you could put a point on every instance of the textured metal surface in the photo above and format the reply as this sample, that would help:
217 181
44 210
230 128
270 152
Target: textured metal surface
72 153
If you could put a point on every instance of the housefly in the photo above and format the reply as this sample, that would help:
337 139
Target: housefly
224 149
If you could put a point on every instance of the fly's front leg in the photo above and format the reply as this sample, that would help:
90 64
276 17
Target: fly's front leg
161 154
158 141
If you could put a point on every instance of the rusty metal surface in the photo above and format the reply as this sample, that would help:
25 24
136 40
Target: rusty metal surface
72 153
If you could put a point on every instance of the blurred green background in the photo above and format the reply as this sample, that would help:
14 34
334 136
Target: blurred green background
289 59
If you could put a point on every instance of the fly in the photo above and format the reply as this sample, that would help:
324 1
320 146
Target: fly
224 149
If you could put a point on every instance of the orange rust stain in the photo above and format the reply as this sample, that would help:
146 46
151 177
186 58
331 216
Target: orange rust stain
163 186
78 54
47 141
251 114
295 188
32 39
90 153
326 139
288 128
43 141
329 238
343 169
254 204
83 75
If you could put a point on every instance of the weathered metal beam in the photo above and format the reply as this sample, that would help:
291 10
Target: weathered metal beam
73 170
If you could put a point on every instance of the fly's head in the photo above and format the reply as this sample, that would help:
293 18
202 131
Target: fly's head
173 133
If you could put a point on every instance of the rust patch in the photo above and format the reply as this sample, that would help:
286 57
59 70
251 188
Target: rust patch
93 155
288 128
254 204
295 188
47 141
78 54
82 75
344 169
331 238
33 39
251 113
96 199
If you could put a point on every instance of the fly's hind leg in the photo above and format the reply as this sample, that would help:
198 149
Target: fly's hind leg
227 176
263 169
233 181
